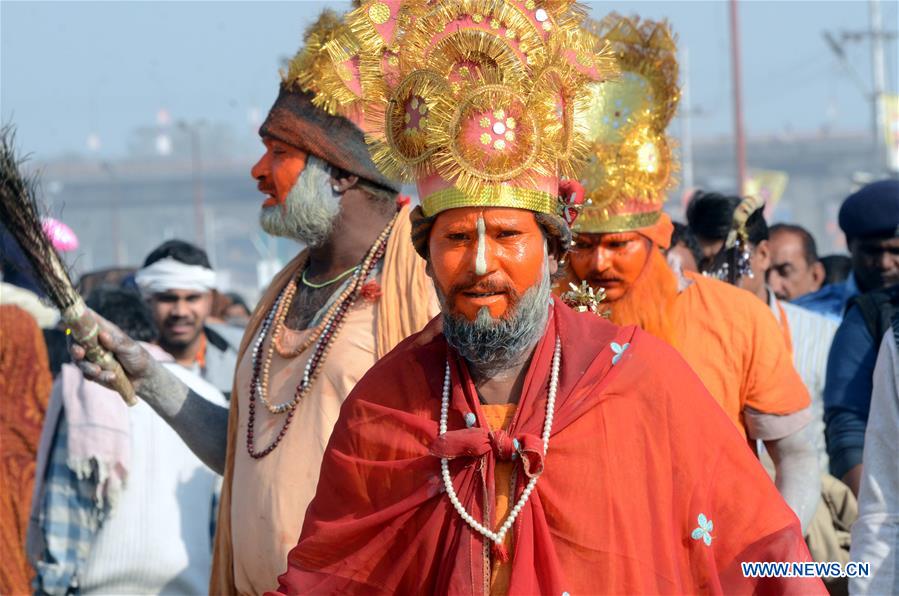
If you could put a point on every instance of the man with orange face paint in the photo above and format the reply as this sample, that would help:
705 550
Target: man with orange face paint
728 337
356 290
516 446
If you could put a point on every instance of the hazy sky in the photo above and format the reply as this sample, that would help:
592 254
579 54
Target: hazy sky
78 77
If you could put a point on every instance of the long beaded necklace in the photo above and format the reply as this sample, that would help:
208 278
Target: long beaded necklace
321 337
499 536
281 316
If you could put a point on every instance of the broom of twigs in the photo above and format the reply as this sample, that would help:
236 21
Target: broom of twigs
20 213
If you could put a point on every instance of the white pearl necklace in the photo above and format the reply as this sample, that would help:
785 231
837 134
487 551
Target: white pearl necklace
500 535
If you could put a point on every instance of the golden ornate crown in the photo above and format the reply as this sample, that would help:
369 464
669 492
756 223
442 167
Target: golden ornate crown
320 108
630 166
327 65
476 100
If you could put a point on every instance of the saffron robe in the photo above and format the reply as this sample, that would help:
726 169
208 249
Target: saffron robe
735 345
644 488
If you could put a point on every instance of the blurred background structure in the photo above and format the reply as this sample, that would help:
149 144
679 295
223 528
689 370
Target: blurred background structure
142 117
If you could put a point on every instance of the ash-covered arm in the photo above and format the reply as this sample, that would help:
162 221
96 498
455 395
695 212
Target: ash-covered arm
201 424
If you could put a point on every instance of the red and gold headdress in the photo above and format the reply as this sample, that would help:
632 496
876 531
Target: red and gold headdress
631 167
476 100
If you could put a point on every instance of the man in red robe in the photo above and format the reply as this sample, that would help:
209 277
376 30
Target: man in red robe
514 445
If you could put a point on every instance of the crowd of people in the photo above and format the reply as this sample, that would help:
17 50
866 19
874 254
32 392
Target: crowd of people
713 391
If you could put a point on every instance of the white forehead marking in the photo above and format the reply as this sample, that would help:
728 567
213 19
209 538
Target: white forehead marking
480 264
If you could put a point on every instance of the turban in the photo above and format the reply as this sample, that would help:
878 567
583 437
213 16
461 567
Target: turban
168 274
294 120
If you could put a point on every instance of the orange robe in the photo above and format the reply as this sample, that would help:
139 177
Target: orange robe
735 345
25 384
644 488
498 417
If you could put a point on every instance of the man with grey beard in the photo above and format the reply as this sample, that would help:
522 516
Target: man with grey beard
516 446
496 347
355 291
310 209
434 463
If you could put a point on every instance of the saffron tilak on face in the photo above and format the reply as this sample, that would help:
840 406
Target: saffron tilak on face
277 170
486 257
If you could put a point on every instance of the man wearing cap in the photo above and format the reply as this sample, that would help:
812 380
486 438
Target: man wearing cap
177 282
726 335
870 220
714 217
356 291
515 445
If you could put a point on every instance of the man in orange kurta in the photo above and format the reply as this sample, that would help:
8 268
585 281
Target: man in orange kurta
516 446
724 333
25 384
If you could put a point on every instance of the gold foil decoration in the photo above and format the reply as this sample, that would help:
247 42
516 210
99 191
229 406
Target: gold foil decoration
379 13
630 167
509 67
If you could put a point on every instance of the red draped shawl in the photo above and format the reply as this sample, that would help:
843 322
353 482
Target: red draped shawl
639 451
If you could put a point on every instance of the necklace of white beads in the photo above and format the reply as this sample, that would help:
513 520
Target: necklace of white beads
499 535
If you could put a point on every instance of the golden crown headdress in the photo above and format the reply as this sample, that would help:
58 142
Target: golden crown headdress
320 108
327 65
630 167
476 100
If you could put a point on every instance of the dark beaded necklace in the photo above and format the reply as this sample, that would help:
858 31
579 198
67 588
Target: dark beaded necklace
330 328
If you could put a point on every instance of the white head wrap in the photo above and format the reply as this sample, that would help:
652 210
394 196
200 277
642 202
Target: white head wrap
168 274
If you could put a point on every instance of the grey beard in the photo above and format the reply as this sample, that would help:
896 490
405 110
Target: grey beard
491 346
310 210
